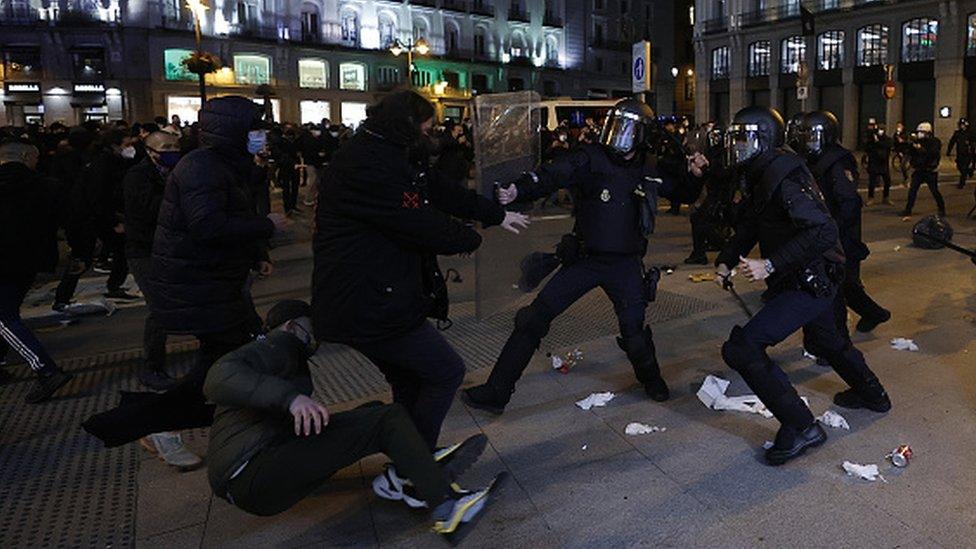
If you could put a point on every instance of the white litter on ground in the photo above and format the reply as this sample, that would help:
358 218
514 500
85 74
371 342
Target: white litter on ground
584 447
712 395
767 445
595 399
557 362
808 356
643 429
866 472
833 419
903 344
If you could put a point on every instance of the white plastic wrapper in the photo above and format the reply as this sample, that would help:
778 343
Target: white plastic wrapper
635 428
595 400
712 395
904 344
833 419
866 472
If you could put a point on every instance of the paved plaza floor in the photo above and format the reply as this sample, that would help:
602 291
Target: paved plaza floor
577 480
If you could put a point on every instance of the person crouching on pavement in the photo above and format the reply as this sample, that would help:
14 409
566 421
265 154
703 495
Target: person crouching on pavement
264 461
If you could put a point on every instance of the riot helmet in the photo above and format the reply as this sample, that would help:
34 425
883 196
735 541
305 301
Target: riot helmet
794 130
963 124
820 129
753 131
626 126
923 130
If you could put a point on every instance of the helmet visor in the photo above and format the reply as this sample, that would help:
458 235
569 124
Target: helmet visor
813 140
621 132
741 143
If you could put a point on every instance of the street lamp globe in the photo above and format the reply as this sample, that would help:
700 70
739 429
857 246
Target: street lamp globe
397 48
421 47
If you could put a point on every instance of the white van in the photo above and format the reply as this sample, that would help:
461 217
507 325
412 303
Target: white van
574 110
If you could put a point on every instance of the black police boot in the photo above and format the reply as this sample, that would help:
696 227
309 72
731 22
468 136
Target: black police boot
640 351
791 443
869 323
697 258
485 397
873 397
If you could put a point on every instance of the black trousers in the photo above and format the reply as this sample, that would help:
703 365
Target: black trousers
424 372
932 180
13 333
782 315
884 177
856 297
153 335
114 244
964 165
620 277
292 467
182 407
288 180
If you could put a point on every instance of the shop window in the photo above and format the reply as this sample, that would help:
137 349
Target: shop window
22 64
173 65
352 76
314 111
793 51
252 69
872 45
313 73
89 64
185 107
353 113
918 39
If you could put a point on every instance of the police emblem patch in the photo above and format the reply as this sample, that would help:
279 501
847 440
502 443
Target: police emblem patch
605 195
849 175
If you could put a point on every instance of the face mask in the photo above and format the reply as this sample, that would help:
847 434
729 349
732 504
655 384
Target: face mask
334 134
168 159
128 152
562 138
256 140
316 133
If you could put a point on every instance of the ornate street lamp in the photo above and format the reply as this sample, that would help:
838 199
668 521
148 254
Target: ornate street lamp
420 46
200 62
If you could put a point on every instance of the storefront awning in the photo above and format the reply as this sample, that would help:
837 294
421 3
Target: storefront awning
22 98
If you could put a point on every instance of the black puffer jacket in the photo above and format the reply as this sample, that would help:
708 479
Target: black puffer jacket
28 222
379 226
143 191
208 232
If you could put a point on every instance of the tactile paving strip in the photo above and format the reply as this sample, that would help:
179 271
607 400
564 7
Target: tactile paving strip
59 486
342 374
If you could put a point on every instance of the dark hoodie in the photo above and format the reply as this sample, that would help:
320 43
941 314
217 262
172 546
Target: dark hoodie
208 232
28 224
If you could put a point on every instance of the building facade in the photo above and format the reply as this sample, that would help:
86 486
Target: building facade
751 52
73 60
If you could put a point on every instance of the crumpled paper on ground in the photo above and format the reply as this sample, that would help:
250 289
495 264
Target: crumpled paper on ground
903 344
643 429
866 472
712 395
833 419
595 399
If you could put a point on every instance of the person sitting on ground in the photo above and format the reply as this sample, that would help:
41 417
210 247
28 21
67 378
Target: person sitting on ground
264 463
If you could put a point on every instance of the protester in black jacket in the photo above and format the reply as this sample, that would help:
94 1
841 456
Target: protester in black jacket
376 240
878 148
205 245
926 151
28 245
143 192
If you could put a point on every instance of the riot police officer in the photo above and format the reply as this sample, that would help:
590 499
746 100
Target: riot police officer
835 171
926 153
794 133
877 149
802 263
617 192
964 143
712 217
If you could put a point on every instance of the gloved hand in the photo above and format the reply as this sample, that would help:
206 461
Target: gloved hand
515 221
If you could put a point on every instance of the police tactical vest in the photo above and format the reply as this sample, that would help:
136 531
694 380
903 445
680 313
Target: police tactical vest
608 215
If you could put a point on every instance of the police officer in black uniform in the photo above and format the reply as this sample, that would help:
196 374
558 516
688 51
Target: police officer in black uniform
877 149
835 171
617 200
964 142
713 217
926 153
802 264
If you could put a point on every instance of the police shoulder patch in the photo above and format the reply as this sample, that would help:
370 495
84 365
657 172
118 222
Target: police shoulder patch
850 175
605 195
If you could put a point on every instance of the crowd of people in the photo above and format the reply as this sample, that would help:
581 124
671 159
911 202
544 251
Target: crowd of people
186 209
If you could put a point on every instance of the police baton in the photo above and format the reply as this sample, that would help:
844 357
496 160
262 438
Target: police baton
730 287
971 254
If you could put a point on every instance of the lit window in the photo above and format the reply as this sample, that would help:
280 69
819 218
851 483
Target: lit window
918 38
173 64
971 35
184 107
720 63
388 30
350 27
352 76
252 69
872 45
830 50
353 113
314 111
313 73
759 55
793 51
275 106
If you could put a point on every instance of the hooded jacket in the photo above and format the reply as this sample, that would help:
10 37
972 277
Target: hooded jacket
208 232
143 192
28 222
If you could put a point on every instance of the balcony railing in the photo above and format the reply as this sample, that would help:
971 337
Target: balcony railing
551 20
479 7
254 30
719 24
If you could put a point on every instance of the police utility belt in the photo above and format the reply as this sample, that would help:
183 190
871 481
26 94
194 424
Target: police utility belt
572 249
819 279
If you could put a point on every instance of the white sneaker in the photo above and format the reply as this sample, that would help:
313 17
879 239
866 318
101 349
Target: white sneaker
168 446
389 485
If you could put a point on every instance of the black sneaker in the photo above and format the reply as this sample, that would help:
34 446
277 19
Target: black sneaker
457 458
791 444
121 294
157 380
866 324
657 389
46 386
483 397
853 400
